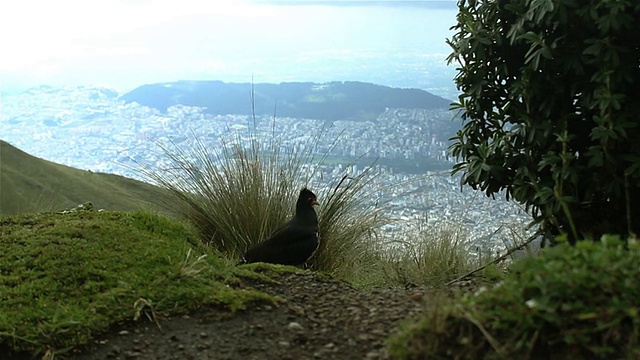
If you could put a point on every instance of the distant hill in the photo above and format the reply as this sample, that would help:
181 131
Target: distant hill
31 184
329 101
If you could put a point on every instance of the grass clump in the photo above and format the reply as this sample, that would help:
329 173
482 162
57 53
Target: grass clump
67 277
349 217
233 195
236 195
569 302
437 254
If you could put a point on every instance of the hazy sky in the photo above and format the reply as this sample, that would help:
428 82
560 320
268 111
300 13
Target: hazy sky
124 44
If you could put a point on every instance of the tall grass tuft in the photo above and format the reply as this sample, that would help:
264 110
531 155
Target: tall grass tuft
437 255
233 195
237 195
349 222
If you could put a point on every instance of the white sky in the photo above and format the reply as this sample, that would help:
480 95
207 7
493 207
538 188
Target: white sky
122 43
45 33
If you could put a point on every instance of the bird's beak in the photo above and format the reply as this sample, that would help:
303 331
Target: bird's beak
314 201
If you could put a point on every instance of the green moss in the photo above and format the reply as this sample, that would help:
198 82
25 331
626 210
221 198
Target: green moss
266 272
65 278
576 302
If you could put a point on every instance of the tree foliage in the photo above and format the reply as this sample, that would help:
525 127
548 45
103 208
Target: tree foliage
549 100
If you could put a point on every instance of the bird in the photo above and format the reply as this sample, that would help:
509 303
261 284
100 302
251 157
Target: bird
296 241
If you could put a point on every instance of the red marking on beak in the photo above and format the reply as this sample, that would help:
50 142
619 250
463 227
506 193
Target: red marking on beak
314 201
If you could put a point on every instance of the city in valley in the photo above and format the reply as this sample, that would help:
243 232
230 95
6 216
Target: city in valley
92 128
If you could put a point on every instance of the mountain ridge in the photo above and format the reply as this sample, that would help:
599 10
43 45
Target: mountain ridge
337 100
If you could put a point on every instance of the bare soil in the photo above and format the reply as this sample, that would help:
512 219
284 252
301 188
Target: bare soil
321 318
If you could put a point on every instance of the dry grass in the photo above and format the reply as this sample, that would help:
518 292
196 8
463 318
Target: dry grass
238 194
349 222
233 195
434 256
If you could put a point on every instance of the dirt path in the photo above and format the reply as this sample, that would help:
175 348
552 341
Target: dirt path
321 319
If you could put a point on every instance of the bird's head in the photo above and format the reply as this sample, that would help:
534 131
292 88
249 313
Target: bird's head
307 198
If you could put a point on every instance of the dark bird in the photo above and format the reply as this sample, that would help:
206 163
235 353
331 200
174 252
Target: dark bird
296 241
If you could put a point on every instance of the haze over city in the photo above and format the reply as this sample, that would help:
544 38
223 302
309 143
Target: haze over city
124 44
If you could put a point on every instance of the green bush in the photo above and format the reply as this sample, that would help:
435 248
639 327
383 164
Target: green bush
549 102
579 302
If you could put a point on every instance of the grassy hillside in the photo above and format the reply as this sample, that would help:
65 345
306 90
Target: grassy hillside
29 184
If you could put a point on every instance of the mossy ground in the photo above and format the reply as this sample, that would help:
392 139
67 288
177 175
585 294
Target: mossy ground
569 302
66 277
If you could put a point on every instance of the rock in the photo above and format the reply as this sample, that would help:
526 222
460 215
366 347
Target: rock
132 354
203 346
373 355
295 326
114 352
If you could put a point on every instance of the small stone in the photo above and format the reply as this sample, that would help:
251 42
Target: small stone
295 326
131 354
416 297
123 332
284 343
329 346
203 335
115 351
180 347
203 346
372 355
300 338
